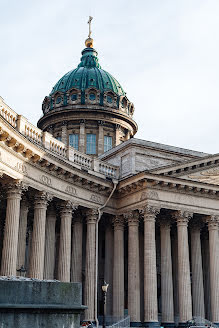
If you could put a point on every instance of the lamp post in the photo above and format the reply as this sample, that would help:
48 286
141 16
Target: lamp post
104 289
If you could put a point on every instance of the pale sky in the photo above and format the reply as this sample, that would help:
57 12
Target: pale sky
164 53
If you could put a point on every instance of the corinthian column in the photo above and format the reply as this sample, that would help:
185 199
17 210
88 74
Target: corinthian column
49 261
214 266
197 274
9 252
108 268
166 274
133 268
118 267
89 287
185 298
77 239
38 236
65 242
150 272
21 248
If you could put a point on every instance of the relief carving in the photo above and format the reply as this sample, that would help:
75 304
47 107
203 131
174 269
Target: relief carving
21 168
96 198
209 176
46 180
71 190
149 194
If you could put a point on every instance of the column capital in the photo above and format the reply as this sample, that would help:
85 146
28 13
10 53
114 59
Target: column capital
67 207
212 221
92 215
196 225
165 223
182 217
149 212
78 218
41 199
132 218
14 188
118 222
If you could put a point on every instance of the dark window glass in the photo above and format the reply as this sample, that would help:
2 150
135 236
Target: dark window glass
92 96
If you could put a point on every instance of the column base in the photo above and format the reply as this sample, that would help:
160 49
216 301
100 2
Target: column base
168 324
135 324
151 324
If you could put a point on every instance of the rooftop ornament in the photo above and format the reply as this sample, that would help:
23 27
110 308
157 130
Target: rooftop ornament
89 42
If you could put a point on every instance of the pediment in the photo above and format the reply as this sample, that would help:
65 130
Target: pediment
209 176
205 170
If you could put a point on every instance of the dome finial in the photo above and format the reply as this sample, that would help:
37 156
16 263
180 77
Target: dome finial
89 41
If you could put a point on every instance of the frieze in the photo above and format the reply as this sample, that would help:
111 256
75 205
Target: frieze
46 180
21 168
71 190
149 194
96 198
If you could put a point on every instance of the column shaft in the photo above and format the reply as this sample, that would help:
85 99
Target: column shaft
77 241
150 271
197 274
133 268
214 266
22 234
108 268
50 240
38 236
89 288
166 274
118 268
65 243
185 299
9 252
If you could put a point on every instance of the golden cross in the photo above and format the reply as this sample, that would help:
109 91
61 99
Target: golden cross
89 22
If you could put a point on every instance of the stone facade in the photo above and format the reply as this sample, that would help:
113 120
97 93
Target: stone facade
142 216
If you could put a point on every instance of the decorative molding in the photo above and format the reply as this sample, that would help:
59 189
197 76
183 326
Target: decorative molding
46 180
96 198
71 190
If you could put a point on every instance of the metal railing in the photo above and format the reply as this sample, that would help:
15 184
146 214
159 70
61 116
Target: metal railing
122 323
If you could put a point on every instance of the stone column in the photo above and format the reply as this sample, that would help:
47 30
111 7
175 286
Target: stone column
118 135
166 274
100 138
77 241
175 272
118 267
133 268
64 133
197 273
185 298
21 249
38 236
82 137
9 251
108 268
206 274
214 266
49 261
90 277
65 242
150 272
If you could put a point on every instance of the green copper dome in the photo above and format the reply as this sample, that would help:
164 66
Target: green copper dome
88 74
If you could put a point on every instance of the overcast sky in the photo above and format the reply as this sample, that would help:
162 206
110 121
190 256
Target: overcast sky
164 53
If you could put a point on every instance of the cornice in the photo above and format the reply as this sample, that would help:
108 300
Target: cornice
142 180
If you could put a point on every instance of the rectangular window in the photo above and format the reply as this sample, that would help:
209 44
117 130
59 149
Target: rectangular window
73 140
91 143
108 143
59 138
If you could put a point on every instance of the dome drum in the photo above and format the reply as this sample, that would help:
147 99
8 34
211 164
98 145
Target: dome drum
92 95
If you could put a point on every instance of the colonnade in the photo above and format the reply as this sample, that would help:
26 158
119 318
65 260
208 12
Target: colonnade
177 291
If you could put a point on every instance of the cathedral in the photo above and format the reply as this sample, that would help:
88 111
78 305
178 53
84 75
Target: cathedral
82 200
